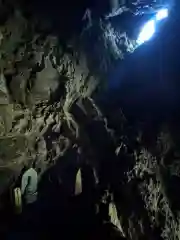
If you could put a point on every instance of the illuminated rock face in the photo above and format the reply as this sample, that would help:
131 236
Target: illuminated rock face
46 82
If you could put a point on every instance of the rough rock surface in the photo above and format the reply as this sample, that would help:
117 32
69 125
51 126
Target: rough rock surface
47 113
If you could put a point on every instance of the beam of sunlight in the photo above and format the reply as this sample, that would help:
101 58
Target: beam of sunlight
161 14
147 32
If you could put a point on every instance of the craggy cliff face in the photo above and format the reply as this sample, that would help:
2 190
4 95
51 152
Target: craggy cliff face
49 82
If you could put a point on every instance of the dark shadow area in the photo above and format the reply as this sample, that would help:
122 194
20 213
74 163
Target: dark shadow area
57 212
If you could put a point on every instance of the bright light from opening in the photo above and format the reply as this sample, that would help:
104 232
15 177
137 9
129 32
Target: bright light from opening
149 28
161 14
147 32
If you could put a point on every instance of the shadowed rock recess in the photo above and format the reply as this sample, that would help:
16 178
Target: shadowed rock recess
105 173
